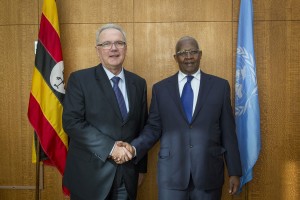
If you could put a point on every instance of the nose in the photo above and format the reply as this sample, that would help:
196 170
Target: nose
113 46
189 55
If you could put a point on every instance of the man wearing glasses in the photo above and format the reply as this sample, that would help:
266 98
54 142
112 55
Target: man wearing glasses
102 105
191 115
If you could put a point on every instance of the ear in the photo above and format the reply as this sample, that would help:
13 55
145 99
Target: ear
175 57
97 51
200 54
98 54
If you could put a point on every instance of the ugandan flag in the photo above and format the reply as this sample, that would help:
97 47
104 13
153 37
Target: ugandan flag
47 92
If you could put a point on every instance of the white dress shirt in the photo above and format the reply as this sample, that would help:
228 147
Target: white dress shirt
195 83
122 84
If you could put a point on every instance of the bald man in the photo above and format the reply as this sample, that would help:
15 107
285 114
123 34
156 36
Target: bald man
191 115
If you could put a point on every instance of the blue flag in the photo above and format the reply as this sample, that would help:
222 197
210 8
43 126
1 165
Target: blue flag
246 94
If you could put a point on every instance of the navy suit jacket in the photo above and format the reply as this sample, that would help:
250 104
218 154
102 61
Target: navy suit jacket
93 122
196 149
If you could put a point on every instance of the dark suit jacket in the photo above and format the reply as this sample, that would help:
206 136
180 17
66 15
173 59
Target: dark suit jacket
93 122
195 149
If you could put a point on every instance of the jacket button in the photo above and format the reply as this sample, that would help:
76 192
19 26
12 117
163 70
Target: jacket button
191 146
191 126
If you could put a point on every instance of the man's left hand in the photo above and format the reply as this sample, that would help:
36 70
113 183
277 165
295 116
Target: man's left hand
234 184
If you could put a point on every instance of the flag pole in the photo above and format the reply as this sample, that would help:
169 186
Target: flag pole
37 171
246 191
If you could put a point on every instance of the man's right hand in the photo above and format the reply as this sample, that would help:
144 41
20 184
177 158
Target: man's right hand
127 147
122 152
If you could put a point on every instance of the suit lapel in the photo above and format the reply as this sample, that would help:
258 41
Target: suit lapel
203 93
131 93
107 90
174 92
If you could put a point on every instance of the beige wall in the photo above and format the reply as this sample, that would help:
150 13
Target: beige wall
153 27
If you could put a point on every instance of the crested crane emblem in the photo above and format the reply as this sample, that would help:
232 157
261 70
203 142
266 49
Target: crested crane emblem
57 77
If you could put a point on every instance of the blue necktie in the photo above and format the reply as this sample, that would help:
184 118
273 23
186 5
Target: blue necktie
120 97
187 98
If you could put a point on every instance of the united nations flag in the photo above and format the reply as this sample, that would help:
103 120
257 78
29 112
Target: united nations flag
247 115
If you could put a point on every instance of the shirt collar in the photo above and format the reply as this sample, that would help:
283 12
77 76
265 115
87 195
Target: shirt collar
181 75
111 75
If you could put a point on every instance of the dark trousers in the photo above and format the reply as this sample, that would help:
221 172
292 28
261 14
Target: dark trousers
191 193
117 192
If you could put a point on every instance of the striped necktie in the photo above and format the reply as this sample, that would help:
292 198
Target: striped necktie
120 97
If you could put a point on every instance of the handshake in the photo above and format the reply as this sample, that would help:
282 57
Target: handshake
122 152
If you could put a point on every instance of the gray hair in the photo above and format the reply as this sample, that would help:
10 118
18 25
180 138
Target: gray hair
178 45
109 26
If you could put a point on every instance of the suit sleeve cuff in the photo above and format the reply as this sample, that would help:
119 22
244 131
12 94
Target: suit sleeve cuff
112 149
134 155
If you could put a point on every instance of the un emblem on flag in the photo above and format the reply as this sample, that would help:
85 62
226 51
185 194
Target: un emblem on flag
246 82
57 77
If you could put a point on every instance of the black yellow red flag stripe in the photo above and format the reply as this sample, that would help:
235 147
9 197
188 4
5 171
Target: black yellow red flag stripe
47 92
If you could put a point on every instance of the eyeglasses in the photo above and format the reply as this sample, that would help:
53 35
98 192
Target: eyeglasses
185 53
108 45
